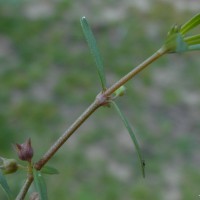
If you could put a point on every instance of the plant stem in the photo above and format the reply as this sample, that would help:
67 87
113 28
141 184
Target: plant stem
135 71
101 99
25 188
94 106
53 149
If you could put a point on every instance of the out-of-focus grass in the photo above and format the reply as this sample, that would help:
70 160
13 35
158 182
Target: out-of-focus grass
48 78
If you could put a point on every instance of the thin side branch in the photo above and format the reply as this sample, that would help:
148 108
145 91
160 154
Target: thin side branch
135 71
25 188
54 148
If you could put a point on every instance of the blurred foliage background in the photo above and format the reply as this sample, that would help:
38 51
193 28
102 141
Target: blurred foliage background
48 78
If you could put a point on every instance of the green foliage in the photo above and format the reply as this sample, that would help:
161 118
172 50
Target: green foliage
133 137
42 49
120 91
49 170
94 50
5 186
190 24
40 184
177 42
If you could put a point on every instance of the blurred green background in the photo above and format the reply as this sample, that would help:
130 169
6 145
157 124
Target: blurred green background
48 78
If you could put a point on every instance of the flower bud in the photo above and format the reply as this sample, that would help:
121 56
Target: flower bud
120 91
8 166
24 151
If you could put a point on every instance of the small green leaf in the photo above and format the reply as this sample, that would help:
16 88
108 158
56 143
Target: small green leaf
5 186
133 137
120 91
191 40
194 47
49 170
190 24
40 184
94 50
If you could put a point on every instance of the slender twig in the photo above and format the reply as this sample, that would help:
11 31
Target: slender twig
53 149
94 106
25 188
101 99
135 71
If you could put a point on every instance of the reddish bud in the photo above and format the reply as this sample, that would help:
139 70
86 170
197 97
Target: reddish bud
24 151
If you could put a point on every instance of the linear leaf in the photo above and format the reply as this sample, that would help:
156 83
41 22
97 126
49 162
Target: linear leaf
191 40
133 137
49 170
40 185
94 50
194 47
5 186
191 23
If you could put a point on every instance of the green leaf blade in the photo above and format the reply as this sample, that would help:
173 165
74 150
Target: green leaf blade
133 137
94 50
49 170
192 40
5 186
190 24
194 47
40 184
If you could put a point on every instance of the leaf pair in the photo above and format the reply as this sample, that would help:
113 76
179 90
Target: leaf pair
99 64
177 42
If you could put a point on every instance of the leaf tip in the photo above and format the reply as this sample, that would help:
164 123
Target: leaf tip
83 18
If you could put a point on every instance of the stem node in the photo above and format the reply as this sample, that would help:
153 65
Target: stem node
102 99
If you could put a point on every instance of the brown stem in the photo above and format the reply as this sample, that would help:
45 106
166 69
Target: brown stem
61 140
135 71
25 188
101 99
94 106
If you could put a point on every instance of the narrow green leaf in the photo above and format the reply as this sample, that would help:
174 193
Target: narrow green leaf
94 50
49 170
195 39
194 47
40 185
194 21
133 137
5 186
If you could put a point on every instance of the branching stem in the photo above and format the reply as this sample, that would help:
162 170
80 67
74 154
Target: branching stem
61 140
102 99
135 71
